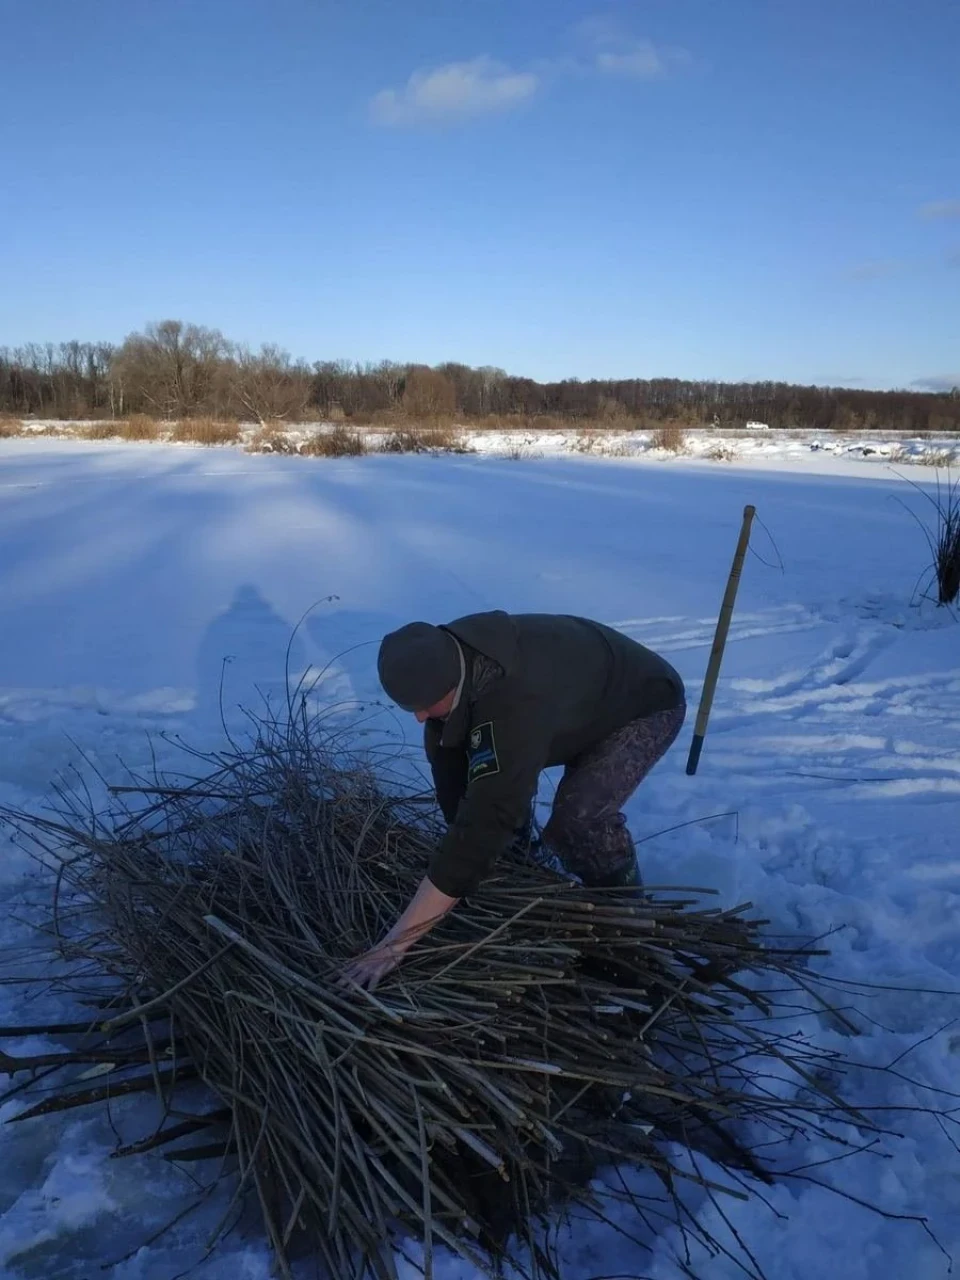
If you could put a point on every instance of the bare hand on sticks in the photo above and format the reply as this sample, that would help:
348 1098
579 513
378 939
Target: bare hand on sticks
426 908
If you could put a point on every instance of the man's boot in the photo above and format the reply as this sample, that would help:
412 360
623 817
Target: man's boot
626 876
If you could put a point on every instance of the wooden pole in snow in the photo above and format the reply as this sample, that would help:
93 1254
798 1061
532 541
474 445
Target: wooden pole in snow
719 641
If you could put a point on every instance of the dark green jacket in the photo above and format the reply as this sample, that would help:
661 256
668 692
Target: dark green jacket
540 689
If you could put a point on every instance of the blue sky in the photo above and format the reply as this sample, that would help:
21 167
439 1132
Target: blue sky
682 188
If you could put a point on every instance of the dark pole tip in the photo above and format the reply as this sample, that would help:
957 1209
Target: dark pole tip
693 759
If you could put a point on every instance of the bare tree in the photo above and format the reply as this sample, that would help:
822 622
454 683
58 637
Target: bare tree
174 370
427 393
268 385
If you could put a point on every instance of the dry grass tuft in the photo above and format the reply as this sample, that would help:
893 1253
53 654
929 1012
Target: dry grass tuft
209 431
947 545
403 440
137 427
721 453
943 537
338 443
429 439
106 430
939 459
140 426
10 427
670 437
272 438
444 437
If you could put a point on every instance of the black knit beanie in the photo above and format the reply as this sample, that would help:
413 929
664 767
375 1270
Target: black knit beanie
418 665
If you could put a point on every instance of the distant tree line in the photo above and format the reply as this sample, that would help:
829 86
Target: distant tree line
176 370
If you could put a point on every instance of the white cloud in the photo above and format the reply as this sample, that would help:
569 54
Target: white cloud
945 382
483 86
642 61
941 209
941 383
837 379
617 52
454 92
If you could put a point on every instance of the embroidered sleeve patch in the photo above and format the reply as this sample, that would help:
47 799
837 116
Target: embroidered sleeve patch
482 759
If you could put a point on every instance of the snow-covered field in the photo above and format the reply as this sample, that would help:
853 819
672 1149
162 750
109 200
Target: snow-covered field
129 573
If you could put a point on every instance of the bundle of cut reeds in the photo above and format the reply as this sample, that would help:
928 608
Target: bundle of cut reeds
541 1033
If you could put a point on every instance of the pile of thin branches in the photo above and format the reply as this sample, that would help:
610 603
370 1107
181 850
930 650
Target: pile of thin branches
543 1033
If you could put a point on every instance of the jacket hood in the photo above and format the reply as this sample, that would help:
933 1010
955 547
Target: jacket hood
493 634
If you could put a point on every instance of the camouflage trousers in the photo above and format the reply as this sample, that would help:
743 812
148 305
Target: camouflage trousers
587 832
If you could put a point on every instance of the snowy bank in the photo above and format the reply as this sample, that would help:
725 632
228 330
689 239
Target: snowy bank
749 446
